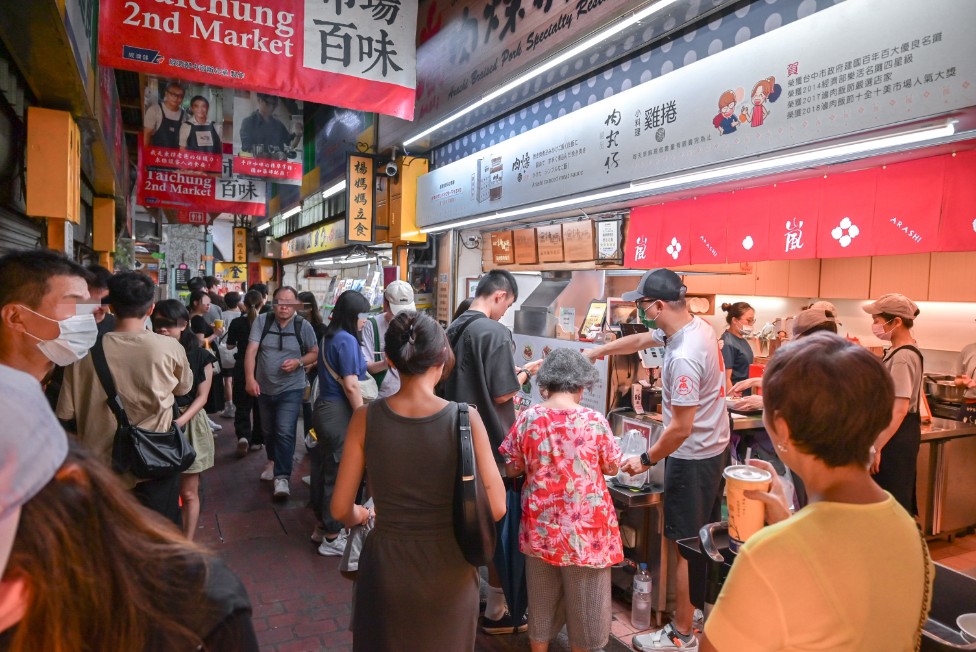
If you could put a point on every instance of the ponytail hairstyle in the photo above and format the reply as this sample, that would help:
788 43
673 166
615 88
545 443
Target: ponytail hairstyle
169 313
735 310
252 301
415 343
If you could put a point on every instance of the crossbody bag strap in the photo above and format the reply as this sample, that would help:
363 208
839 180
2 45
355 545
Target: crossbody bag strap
457 336
328 367
465 446
108 384
921 359
377 354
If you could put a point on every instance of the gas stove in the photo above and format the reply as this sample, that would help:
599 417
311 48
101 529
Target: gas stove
944 409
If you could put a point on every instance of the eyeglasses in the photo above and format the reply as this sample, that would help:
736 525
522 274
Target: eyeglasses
179 95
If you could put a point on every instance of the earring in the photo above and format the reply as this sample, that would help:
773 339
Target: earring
781 448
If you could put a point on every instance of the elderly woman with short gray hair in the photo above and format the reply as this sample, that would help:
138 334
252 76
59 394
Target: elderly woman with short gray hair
569 531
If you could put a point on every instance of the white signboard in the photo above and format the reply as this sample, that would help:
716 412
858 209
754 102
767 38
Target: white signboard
531 347
850 68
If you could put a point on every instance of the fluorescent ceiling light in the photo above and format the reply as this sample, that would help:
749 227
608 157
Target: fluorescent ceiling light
810 156
265 226
762 165
334 190
545 67
293 211
355 260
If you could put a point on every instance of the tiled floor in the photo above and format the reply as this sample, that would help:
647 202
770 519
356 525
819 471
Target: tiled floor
301 603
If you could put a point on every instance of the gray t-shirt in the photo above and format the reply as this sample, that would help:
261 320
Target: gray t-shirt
391 381
905 367
279 345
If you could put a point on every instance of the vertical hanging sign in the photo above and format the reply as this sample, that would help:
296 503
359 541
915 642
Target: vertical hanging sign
240 244
360 207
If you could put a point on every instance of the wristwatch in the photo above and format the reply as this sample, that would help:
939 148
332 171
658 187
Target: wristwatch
645 460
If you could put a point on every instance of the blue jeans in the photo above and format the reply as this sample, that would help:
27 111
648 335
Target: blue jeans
279 419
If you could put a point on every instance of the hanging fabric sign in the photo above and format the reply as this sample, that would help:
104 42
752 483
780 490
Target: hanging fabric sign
359 55
958 229
182 125
268 137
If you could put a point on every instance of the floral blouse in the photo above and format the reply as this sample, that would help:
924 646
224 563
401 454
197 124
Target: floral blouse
568 517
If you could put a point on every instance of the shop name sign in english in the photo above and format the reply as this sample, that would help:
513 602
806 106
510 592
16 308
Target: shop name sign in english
805 82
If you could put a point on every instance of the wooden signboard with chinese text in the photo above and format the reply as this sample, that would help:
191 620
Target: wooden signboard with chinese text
240 244
360 200
578 241
502 250
526 247
550 240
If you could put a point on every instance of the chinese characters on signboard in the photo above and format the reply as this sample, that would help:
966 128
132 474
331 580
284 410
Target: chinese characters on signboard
360 206
240 244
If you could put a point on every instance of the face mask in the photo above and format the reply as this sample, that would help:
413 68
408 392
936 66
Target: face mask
650 323
78 334
745 330
879 331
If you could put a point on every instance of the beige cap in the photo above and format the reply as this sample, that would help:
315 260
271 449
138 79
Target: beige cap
897 305
809 318
399 294
823 305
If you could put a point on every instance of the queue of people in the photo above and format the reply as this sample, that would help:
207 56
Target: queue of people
834 413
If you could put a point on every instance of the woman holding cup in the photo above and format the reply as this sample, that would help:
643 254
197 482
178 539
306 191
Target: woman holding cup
850 571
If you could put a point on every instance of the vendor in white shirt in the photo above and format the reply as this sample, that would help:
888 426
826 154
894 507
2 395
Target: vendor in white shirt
397 297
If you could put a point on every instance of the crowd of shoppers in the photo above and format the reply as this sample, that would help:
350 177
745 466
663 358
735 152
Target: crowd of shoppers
385 426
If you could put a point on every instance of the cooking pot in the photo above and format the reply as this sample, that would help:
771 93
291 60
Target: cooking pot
943 388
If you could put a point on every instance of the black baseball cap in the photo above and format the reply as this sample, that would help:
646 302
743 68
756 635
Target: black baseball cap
660 285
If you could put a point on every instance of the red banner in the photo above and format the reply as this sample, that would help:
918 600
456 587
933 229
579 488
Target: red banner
907 208
356 55
748 225
794 209
674 245
708 230
847 215
195 191
957 231
268 137
643 236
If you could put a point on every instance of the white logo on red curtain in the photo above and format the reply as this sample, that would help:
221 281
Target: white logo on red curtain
794 235
684 385
845 233
640 251
907 230
748 243
674 248
974 226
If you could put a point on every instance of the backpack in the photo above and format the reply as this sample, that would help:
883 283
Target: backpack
299 320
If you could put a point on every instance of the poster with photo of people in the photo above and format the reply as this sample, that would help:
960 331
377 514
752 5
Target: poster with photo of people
183 125
268 135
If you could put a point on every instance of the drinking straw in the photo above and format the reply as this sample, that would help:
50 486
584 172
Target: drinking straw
748 454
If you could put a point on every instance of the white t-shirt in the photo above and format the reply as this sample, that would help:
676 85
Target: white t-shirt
391 381
693 375
966 364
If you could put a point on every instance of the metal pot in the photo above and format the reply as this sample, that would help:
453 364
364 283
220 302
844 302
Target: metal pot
943 388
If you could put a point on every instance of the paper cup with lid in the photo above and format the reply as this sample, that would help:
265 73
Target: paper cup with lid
746 515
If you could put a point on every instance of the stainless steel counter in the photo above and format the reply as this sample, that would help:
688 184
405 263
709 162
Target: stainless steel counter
946 429
739 422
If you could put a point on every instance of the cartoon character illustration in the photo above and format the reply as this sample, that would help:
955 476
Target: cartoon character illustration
764 90
726 121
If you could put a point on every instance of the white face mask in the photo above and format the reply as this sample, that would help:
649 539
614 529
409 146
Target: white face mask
78 334
746 331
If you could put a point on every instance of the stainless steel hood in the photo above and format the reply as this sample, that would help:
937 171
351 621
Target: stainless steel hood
539 312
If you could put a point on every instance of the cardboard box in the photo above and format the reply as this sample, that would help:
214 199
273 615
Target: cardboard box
502 249
550 239
526 247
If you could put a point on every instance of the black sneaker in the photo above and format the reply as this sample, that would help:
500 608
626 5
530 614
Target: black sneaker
504 625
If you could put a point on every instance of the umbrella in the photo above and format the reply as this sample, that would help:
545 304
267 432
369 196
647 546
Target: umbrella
509 560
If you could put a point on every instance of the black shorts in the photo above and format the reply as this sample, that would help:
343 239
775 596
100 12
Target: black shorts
692 494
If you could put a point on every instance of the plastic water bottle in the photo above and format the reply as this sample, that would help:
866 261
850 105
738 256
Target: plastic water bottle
640 604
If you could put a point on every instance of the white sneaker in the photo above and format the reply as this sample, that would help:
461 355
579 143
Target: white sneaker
318 534
281 488
242 447
230 411
663 639
307 479
268 473
334 548
214 425
698 622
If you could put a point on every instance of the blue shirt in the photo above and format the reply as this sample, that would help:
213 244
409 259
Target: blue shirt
738 356
344 355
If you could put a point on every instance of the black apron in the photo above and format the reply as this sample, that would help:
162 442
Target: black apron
168 134
899 457
203 138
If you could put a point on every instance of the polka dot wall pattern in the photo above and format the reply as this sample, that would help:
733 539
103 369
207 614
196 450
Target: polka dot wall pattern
755 19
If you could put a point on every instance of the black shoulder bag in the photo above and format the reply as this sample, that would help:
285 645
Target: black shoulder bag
146 454
474 527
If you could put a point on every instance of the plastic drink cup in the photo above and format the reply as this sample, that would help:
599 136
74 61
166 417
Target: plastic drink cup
746 515
218 323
